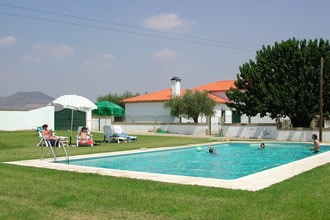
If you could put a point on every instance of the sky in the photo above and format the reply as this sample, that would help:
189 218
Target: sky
94 48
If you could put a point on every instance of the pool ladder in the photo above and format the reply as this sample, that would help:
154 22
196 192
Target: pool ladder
46 143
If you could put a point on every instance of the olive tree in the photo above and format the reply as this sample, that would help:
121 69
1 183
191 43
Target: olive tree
191 105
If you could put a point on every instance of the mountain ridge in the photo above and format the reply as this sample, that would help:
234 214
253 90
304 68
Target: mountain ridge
23 101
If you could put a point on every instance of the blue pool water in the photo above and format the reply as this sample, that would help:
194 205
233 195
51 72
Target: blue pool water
233 160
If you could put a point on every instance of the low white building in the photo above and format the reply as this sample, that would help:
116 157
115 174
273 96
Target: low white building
149 108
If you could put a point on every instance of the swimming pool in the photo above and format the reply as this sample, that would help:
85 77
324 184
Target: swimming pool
253 182
232 161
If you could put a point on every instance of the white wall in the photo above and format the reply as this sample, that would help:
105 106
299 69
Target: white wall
146 109
99 122
147 112
257 119
27 120
187 129
232 131
272 133
155 111
23 120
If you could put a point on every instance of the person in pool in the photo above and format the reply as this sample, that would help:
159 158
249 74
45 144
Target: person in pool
262 146
212 150
316 146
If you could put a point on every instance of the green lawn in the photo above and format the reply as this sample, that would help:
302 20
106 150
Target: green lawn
33 193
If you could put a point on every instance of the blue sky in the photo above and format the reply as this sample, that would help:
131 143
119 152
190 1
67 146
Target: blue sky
92 48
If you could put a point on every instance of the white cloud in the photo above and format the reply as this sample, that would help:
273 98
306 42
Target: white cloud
108 56
33 59
165 54
57 51
7 41
167 22
103 60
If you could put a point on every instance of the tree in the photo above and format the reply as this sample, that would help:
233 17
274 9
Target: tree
176 106
191 105
284 81
115 98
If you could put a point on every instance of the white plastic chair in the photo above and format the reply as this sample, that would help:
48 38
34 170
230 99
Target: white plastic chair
119 132
46 142
42 139
78 137
109 136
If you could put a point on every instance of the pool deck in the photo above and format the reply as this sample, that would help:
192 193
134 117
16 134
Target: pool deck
254 182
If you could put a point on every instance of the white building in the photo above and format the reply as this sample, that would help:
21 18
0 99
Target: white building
150 107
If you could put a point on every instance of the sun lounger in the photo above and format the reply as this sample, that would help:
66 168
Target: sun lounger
119 132
109 135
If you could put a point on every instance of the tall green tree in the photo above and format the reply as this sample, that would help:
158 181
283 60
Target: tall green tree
283 81
191 105
115 98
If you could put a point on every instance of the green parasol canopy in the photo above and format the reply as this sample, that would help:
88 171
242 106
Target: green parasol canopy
106 108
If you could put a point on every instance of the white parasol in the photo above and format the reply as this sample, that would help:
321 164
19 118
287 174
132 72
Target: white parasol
76 103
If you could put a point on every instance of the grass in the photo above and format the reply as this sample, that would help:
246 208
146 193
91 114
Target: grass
33 193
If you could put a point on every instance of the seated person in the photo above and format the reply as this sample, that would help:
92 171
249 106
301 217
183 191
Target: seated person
48 134
85 138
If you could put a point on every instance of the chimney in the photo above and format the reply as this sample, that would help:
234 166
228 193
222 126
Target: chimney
176 81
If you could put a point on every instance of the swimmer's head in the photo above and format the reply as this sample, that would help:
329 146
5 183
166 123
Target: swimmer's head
314 136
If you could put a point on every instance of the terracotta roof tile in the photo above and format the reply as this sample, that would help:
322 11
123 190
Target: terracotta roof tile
216 86
165 95
158 96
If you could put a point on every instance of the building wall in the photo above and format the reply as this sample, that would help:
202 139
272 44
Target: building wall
156 112
24 120
146 109
147 112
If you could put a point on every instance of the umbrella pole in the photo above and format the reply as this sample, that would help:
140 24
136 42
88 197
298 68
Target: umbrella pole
71 127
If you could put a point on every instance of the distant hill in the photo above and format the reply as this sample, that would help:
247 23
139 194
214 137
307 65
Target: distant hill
25 101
